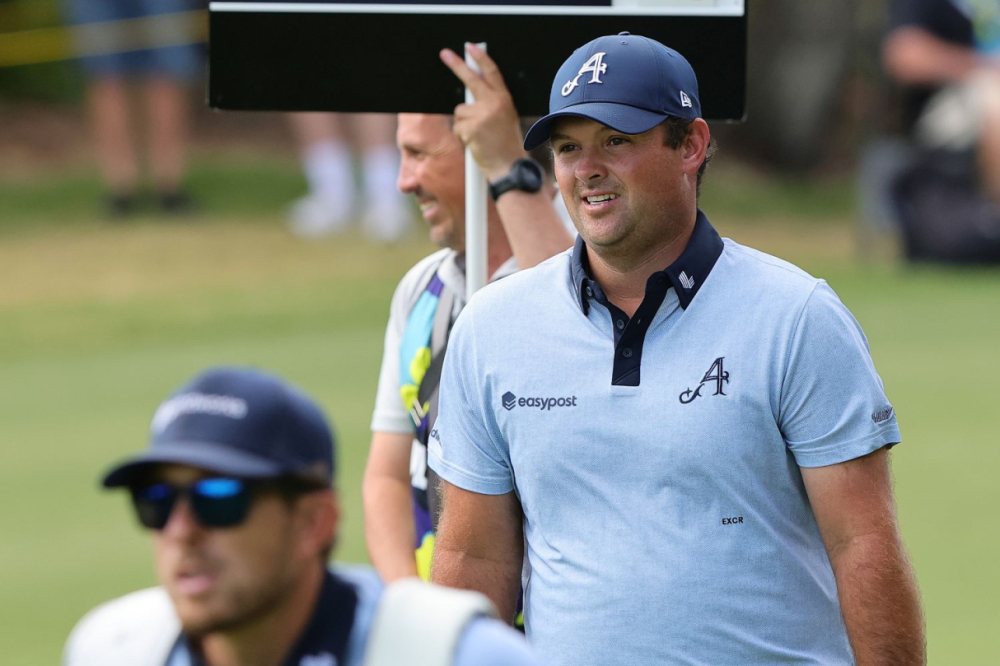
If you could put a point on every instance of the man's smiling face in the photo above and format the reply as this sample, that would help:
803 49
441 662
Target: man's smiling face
432 168
619 188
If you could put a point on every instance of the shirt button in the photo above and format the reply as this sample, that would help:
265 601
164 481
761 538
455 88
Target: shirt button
620 324
627 352
590 292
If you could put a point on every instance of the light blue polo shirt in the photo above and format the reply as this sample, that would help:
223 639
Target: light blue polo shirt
657 457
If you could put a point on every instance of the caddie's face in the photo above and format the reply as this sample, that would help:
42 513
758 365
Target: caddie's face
221 579
621 190
432 168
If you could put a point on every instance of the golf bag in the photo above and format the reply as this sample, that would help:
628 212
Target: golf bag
944 215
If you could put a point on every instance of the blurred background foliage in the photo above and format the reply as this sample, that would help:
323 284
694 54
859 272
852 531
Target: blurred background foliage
815 84
58 82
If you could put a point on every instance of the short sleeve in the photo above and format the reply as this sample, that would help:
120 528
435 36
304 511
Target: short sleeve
833 407
465 447
389 415
487 642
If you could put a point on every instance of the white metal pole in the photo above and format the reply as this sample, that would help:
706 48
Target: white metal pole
475 209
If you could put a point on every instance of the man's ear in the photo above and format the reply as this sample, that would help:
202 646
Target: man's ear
696 146
319 516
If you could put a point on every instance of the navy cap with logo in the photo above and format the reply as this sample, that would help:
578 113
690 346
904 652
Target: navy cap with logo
627 82
239 422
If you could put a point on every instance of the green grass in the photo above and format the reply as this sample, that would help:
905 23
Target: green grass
98 322
753 196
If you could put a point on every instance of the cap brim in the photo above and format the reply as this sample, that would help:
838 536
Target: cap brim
619 117
212 457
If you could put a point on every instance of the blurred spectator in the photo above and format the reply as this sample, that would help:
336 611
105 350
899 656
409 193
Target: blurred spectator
116 39
331 203
946 55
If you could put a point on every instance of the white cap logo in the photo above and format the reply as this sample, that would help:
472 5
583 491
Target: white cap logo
685 100
596 66
197 403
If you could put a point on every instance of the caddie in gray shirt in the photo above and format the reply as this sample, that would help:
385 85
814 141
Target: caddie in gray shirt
688 436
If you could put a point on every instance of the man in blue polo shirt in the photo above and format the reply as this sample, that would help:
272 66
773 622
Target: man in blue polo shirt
688 437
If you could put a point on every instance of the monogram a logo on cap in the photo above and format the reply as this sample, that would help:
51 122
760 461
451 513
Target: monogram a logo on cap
596 66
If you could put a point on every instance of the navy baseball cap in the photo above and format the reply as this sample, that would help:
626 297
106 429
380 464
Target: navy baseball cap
627 82
238 422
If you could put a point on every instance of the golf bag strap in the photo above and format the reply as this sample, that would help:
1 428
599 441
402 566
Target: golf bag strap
439 344
428 391
420 624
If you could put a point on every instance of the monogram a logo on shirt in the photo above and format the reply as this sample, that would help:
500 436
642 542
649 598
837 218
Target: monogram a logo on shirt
716 373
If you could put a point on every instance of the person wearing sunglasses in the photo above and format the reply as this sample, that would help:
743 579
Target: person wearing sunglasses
237 491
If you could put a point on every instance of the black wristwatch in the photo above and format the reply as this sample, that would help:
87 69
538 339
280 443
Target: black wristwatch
526 175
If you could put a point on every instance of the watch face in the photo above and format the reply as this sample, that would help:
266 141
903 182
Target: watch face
528 175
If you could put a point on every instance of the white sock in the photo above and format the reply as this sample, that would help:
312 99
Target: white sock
388 213
381 167
327 166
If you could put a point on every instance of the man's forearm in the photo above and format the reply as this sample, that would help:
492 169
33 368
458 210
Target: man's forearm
914 56
498 579
389 530
880 601
480 545
533 226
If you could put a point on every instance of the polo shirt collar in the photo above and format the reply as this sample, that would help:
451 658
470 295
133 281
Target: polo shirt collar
686 274
329 631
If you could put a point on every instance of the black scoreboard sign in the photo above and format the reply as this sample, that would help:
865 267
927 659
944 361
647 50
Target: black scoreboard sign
383 57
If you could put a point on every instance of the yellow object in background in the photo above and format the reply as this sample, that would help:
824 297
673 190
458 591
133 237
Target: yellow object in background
425 554
31 47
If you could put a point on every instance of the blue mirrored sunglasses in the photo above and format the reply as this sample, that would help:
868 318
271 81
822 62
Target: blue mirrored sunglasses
215 502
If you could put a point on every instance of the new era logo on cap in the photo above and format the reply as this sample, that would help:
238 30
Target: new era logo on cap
685 100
